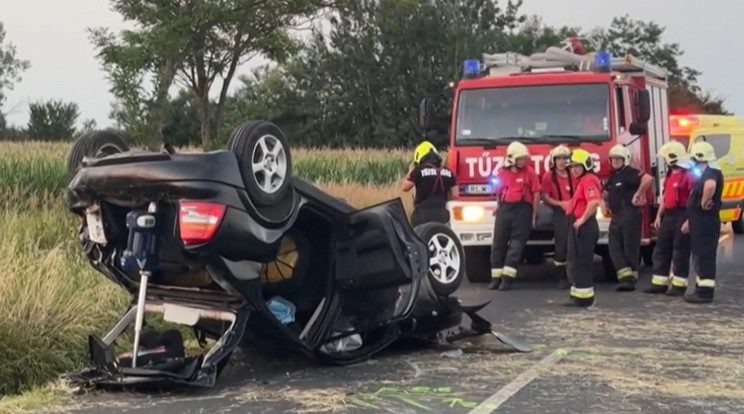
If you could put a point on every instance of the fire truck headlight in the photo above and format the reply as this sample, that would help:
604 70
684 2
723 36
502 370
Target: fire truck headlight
473 213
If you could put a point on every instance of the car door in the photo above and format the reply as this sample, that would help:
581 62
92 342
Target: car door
379 263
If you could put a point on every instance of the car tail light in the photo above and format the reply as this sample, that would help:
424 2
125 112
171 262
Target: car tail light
198 221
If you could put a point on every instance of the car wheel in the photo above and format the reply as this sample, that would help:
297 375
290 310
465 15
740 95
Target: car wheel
95 144
446 257
265 160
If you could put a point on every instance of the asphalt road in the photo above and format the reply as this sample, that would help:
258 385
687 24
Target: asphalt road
631 353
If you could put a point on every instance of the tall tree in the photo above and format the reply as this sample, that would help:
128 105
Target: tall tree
53 120
645 40
361 83
11 69
193 42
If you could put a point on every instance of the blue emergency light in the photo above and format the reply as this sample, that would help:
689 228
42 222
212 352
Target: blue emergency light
471 68
494 181
697 172
602 62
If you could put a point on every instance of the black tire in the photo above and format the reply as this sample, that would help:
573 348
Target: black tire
738 225
95 144
647 254
428 232
478 264
245 142
608 268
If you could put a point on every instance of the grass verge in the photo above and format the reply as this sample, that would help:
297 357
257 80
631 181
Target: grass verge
52 299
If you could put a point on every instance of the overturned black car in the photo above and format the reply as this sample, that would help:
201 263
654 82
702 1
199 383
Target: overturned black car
231 243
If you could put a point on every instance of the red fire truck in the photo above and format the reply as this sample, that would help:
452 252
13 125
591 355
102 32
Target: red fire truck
560 96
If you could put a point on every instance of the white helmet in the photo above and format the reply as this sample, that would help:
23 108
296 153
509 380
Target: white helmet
559 151
621 151
513 151
674 153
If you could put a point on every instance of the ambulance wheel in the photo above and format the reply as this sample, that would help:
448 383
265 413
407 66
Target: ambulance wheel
738 225
446 257
478 264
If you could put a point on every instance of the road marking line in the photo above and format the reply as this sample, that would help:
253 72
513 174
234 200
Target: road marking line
500 397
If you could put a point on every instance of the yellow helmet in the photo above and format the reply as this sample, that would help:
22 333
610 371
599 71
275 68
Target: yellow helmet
559 151
673 152
515 150
423 149
620 151
582 157
702 151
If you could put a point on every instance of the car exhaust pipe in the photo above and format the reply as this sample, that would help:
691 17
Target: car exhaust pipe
142 252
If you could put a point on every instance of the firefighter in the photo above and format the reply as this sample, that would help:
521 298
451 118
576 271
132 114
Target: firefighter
435 185
672 250
518 196
624 194
703 221
557 189
583 229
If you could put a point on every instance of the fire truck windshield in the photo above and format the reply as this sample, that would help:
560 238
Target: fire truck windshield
543 113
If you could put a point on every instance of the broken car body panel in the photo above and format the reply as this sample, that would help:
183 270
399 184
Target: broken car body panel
183 235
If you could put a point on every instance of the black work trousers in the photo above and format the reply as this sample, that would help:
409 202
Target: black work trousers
625 241
560 233
580 258
510 234
705 229
672 250
423 215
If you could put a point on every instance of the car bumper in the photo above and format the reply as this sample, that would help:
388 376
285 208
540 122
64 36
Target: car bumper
105 368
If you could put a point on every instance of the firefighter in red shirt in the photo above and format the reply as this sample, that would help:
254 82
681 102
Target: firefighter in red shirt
557 189
672 250
518 196
583 228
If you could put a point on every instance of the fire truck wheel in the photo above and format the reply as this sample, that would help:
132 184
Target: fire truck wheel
647 254
608 269
478 263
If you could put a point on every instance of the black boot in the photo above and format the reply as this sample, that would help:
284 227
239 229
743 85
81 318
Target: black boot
507 283
581 303
699 297
495 283
655 289
627 284
676 291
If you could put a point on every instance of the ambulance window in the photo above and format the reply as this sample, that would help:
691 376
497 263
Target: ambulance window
720 142
620 104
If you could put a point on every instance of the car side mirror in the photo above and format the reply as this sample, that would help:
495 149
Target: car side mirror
643 105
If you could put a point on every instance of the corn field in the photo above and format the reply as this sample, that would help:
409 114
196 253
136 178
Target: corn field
37 169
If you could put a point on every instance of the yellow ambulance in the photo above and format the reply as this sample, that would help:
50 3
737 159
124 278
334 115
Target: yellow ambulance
726 134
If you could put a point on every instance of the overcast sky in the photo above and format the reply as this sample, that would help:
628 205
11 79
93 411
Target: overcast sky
51 34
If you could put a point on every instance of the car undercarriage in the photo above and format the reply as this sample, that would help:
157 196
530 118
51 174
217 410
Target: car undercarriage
233 245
